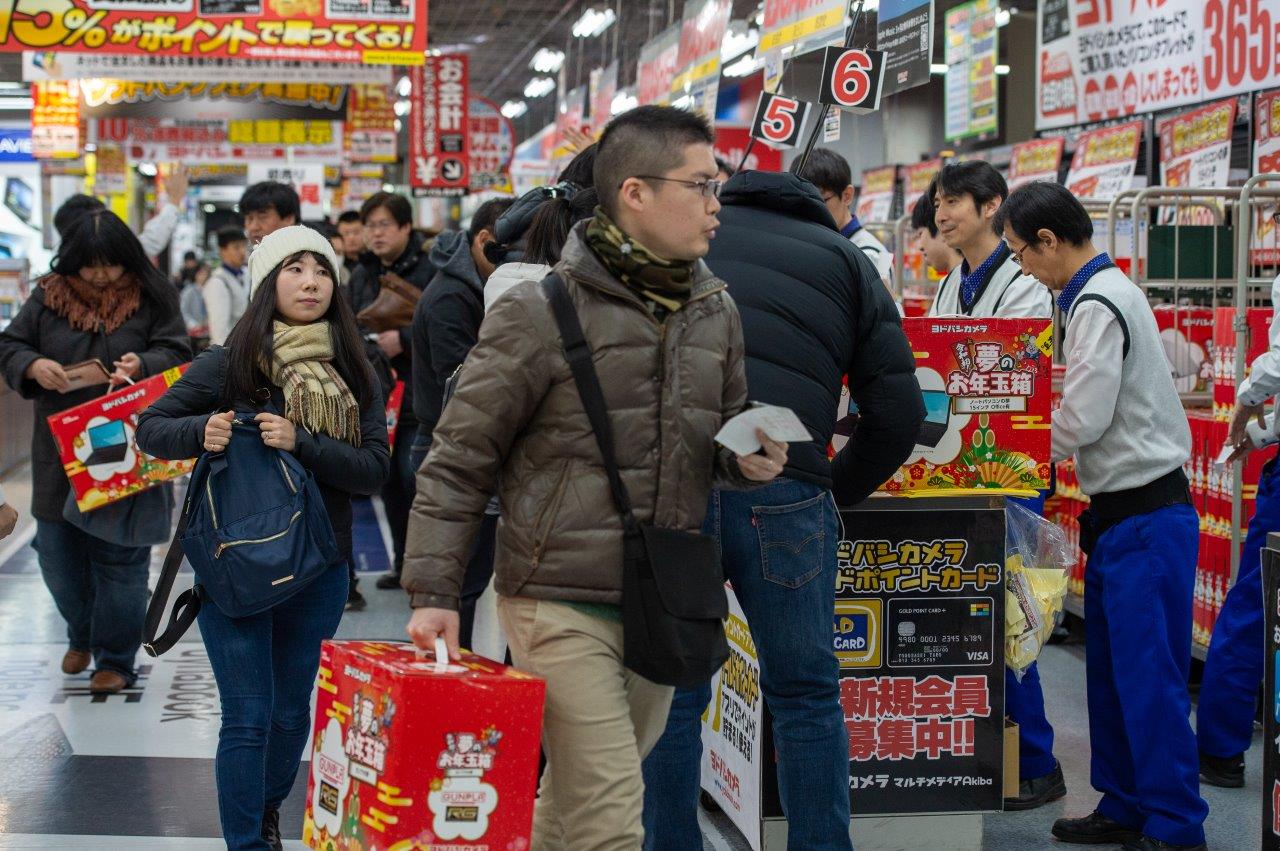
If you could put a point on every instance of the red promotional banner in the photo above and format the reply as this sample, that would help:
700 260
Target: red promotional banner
371 124
731 145
1195 150
370 32
604 87
493 144
55 119
439 150
1104 161
657 67
1266 160
916 180
1038 159
875 201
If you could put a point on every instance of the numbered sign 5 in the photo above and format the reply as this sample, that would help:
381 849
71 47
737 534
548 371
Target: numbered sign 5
779 119
852 79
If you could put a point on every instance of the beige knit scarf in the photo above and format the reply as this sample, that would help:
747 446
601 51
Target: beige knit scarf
315 396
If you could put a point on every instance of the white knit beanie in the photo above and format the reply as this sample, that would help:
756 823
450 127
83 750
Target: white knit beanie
278 246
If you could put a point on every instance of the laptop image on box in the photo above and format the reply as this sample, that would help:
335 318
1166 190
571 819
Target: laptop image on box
108 442
937 413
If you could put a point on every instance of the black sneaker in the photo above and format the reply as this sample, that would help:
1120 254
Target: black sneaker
355 600
1038 791
1094 829
1224 771
388 581
271 829
1146 843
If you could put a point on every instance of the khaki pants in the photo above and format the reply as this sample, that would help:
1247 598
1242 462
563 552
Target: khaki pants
601 720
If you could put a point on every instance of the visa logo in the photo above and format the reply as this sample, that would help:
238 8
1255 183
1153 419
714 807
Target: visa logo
978 656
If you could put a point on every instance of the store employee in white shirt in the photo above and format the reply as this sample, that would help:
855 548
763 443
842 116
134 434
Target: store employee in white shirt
988 283
831 173
1122 419
1233 668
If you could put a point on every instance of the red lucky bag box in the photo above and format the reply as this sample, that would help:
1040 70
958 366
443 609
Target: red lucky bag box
406 756
98 450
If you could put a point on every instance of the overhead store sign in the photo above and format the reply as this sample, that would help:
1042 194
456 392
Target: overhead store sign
493 144
571 114
702 29
779 120
1104 161
15 145
370 32
972 46
916 180
438 151
875 202
1195 150
48 65
1105 60
657 67
852 79
55 119
603 87
371 124
104 98
1266 160
904 31
219 141
307 179
1038 159
792 23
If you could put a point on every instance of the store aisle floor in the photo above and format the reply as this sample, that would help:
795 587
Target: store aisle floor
134 771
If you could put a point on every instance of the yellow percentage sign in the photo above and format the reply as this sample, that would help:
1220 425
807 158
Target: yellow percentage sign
84 27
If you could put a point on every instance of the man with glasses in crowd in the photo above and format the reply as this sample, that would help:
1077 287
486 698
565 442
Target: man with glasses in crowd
669 354
830 172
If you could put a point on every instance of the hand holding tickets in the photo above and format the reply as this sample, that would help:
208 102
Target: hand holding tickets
781 424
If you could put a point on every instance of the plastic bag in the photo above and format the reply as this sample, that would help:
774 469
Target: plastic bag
1037 564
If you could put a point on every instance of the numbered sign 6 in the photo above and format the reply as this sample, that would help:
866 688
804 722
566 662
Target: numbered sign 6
779 119
852 78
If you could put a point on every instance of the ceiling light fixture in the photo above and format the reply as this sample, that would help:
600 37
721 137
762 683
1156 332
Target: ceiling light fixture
742 67
738 39
404 88
594 21
937 68
402 107
539 87
1002 70
513 109
547 60
623 102
1003 17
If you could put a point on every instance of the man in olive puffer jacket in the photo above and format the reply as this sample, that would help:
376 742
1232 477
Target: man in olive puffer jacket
669 353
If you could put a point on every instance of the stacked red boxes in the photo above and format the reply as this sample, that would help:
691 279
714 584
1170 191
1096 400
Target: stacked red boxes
1188 337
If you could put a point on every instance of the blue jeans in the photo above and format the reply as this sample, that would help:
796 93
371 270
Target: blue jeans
1138 593
100 590
265 666
778 546
1233 668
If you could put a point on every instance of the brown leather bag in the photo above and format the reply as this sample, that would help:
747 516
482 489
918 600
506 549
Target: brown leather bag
394 306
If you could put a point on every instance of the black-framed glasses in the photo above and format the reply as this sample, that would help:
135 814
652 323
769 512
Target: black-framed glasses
1015 255
706 188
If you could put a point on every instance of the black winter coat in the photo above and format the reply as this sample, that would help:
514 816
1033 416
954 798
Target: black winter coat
173 427
158 338
445 326
414 265
814 310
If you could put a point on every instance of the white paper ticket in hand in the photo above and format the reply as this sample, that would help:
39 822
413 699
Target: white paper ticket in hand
781 424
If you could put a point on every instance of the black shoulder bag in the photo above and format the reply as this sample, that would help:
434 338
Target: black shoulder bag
673 600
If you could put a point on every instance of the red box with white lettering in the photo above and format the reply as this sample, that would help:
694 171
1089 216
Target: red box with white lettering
406 755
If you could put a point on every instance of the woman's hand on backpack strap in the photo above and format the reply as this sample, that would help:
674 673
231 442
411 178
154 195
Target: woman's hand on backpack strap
217 431
277 432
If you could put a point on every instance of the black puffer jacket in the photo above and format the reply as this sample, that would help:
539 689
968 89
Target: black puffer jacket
445 326
814 310
415 266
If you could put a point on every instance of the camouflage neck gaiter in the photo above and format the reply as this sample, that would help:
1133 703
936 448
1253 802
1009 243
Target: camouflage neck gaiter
661 283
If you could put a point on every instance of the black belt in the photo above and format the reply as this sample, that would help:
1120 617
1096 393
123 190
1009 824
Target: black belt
1109 509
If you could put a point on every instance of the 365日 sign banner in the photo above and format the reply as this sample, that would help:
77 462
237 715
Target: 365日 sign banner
370 32
1101 60
439 151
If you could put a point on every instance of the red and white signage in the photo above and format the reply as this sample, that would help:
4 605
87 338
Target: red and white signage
1035 160
603 86
657 68
875 202
439 152
493 144
55 119
779 120
371 124
731 146
219 141
1266 160
852 79
702 29
1195 150
1100 59
1104 161
916 180
307 179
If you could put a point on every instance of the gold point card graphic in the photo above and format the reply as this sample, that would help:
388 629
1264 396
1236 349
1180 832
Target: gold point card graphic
858 627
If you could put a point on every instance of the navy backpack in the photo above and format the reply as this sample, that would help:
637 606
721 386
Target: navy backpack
255 529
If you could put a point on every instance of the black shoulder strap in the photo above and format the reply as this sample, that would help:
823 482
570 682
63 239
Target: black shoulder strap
188 604
1109 305
578 353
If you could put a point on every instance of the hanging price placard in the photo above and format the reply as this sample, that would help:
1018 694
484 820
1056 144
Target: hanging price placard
779 119
852 79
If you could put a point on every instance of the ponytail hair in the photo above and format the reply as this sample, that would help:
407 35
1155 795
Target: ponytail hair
552 222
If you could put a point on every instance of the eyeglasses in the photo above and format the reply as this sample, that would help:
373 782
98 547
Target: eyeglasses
706 188
826 199
385 224
1016 256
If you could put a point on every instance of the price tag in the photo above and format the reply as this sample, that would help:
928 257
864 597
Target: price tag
852 79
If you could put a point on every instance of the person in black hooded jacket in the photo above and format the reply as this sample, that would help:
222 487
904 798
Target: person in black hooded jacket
813 311
446 325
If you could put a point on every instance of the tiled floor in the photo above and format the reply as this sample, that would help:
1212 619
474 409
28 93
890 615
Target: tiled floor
135 771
